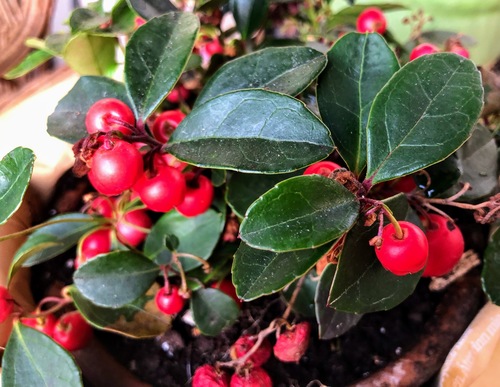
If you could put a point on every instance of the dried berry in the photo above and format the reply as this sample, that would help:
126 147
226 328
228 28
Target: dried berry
209 376
256 377
245 343
292 344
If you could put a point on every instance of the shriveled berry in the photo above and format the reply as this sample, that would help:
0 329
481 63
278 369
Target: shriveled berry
256 377
245 343
292 344
209 376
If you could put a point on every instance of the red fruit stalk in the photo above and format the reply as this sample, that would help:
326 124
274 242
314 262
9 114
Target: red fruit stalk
292 344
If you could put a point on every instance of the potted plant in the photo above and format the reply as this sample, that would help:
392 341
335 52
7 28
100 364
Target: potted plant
230 165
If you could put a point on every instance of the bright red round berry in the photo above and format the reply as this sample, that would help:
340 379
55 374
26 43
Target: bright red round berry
209 376
72 331
93 244
178 94
133 226
404 184
44 324
115 167
6 304
165 124
292 344
406 255
169 303
460 50
423 49
245 343
323 168
371 19
256 377
446 246
101 205
110 114
198 197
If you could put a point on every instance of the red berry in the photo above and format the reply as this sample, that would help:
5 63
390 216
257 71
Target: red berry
165 124
133 226
323 168
6 304
406 255
72 331
198 197
170 160
460 50
256 377
169 303
446 246
44 324
423 49
292 344
115 167
110 114
163 191
371 19
404 184
209 376
101 205
178 94
245 343
93 244
227 287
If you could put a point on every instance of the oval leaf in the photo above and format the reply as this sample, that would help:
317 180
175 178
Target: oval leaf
251 131
261 272
151 8
68 120
15 173
302 212
155 57
249 15
359 65
422 115
101 280
213 311
287 70
304 299
491 269
32 358
30 62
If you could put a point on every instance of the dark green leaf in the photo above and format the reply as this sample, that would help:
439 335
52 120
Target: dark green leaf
218 177
196 235
249 15
288 70
139 319
422 115
102 280
15 174
51 240
304 301
213 311
151 8
30 62
68 120
122 18
245 188
98 51
361 284
251 131
331 323
260 272
32 358
299 213
491 269
155 57
84 19
359 65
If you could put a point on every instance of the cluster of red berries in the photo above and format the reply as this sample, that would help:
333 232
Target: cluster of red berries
290 346
429 48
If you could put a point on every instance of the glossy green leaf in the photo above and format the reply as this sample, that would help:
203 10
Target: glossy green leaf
32 358
101 280
331 323
196 235
30 62
213 311
422 115
122 18
261 272
287 70
67 122
361 284
304 301
52 240
359 65
491 269
302 212
85 19
98 51
151 8
245 188
249 15
139 319
155 57
251 131
16 168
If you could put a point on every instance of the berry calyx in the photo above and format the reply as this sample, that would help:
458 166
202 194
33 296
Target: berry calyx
133 226
44 324
292 344
245 343
446 246
169 303
256 377
371 19
110 114
209 376
323 168
227 287
6 304
423 49
405 255
165 124
72 331
198 197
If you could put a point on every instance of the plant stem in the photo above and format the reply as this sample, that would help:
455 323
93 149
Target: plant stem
295 294
393 220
